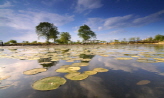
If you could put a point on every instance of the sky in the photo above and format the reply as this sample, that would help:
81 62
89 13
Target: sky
109 19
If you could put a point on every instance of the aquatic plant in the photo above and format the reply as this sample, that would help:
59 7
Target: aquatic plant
34 71
48 83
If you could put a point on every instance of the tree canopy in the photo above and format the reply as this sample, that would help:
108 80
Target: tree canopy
86 33
47 30
65 37
159 37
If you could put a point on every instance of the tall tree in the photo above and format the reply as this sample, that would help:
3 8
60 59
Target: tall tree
86 33
47 30
159 37
65 37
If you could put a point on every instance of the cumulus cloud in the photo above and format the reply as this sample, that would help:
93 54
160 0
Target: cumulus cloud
83 5
123 21
27 20
6 4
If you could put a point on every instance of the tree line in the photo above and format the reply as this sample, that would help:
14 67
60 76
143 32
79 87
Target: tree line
50 32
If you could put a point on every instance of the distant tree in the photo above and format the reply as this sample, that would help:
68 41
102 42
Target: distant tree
137 39
159 37
47 30
86 33
34 42
65 37
132 39
13 41
150 39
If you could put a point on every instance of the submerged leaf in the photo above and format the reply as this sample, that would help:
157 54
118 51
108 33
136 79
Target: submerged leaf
48 83
143 82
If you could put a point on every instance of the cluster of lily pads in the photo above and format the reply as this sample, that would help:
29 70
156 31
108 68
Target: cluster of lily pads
72 54
51 83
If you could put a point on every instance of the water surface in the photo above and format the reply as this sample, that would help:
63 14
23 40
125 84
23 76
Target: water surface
127 65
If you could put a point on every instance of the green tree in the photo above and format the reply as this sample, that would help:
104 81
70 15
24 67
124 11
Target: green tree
86 33
34 42
65 37
47 30
159 37
13 41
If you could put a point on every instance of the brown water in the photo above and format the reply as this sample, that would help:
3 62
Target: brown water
121 81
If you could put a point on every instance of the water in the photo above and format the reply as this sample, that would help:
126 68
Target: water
121 81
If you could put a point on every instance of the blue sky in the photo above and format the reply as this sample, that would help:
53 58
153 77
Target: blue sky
109 19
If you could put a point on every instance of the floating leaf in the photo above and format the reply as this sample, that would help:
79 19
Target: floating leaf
122 58
84 64
76 76
48 83
65 70
73 68
143 82
90 72
100 69
34 71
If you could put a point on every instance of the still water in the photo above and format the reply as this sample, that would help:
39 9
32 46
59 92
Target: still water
133 71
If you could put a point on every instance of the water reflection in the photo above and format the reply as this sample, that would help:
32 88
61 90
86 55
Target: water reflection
119 82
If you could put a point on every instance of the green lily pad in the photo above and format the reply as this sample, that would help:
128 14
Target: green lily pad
34 71
76 76
143 82
84 64
65 70
100 69
73 68
4 77
90 72
48 83
122 58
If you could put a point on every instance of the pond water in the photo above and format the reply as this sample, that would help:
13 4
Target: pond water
127 71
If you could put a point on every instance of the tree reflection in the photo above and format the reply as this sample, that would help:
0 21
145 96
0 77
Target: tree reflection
48 65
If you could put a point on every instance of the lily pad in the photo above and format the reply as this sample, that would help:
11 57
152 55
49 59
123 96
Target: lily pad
90 72
48 83
143 82
34 71
65 70
4 77
100 69
84 64
73 68
122 58
76 76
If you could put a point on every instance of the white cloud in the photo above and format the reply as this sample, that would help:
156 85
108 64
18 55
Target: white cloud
83 5
6 4
27 20
123 21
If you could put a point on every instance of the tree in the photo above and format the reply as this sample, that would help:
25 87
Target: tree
65 37
47 30
85 33
12 41
159 37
